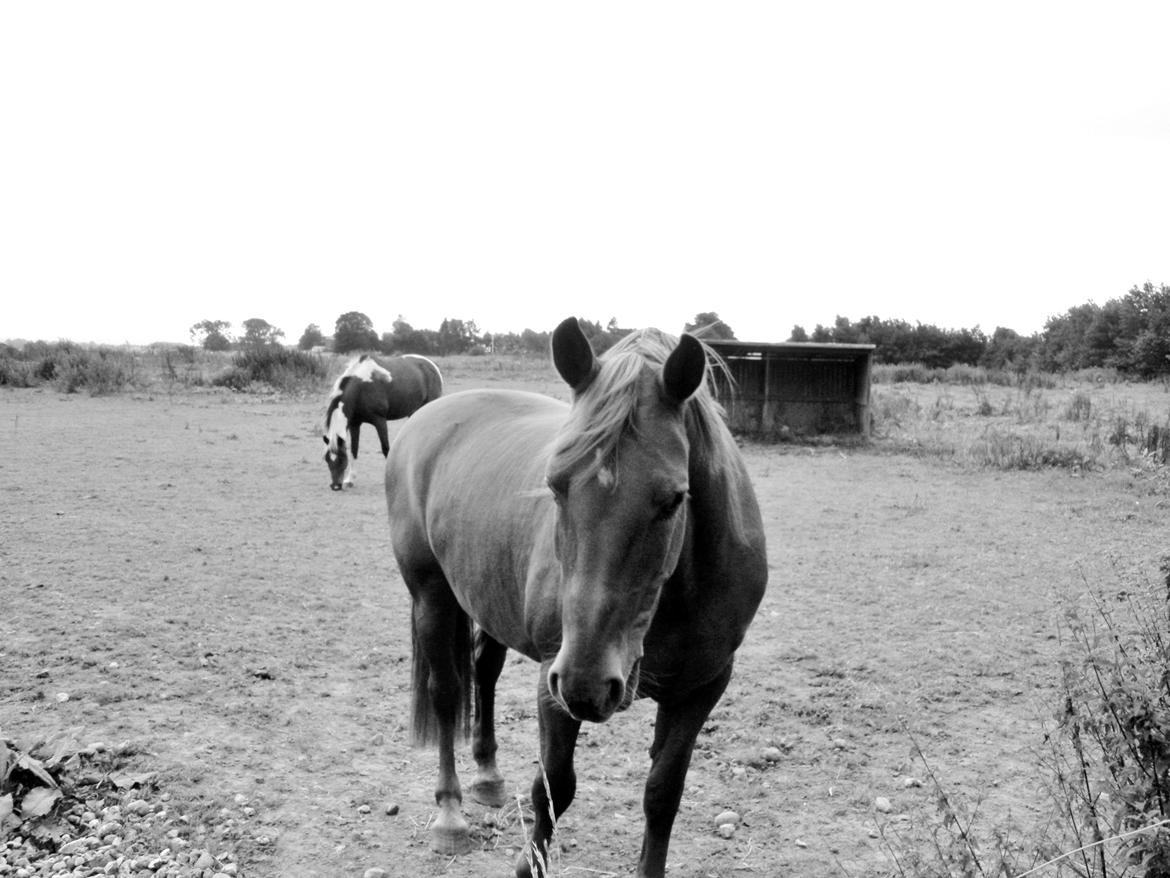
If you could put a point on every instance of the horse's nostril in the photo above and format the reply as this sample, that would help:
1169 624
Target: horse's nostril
617 691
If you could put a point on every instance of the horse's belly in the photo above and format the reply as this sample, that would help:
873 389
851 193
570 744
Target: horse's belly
494 576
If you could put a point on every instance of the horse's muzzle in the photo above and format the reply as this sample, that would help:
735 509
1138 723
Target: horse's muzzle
593 700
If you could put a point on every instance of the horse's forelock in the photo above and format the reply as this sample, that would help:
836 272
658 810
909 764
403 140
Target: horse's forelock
607 407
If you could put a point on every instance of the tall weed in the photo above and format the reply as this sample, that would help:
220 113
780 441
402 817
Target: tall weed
1114 766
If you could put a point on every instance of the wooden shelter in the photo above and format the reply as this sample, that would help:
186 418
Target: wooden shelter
795 389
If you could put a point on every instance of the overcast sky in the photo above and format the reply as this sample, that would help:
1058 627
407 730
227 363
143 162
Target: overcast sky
988 164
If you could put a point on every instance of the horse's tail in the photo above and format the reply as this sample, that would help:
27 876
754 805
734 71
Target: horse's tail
424 719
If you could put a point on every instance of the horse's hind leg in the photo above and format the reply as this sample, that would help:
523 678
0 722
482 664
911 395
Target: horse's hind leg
383 435
443 641
488 786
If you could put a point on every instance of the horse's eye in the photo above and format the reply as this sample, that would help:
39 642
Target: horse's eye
559 491
671 506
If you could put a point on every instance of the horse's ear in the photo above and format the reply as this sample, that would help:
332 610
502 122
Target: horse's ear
572 355
685 369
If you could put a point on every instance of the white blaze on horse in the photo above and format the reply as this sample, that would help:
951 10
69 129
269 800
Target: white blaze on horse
369 392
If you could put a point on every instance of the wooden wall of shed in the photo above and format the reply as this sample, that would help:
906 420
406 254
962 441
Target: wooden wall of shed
780 398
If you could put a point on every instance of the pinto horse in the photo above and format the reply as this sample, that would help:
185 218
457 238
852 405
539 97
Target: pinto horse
617 541
369 393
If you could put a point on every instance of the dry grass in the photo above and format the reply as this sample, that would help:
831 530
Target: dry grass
1074 423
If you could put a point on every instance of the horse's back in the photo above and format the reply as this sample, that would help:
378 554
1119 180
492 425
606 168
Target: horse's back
429 375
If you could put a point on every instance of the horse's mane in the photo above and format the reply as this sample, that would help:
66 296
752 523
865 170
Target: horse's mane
607 408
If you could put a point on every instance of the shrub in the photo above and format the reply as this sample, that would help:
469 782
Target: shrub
283 369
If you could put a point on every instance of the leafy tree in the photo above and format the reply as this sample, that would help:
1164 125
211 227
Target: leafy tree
405 339
211 335
534 342
311 337
457 336
1007 349
354 331
708 325
798 333
1063 345
260 333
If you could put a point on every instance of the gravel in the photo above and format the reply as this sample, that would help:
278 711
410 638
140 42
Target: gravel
105 822
135 838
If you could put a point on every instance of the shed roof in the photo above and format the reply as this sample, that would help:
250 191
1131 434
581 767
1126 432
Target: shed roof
791 350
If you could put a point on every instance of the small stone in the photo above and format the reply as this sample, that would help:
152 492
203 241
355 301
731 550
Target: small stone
374 873
772 754
204 861
139 807
62 697
725 817
911 782
378 740
392 809
882 804
800 843
840 744
364 809
727 830
73 847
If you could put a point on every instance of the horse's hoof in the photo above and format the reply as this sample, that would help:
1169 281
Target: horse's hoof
530 864
450 841
489 792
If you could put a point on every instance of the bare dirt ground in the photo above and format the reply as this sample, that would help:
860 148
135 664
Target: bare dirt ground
179 568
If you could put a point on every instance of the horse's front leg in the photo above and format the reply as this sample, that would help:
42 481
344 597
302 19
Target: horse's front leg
555 784
676 726
488 786
355 432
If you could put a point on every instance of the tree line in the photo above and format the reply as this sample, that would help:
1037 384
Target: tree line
1130 334
354 331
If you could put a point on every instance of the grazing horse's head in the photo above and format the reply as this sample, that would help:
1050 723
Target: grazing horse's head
336 439
619 474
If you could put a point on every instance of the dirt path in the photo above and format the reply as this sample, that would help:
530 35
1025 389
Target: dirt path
180 569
